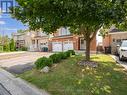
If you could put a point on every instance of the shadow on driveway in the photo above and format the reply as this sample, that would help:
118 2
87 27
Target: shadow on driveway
19 69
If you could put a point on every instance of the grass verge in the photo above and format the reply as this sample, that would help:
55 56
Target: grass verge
68 78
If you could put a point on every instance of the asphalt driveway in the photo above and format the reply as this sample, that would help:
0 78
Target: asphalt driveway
19 62
122 63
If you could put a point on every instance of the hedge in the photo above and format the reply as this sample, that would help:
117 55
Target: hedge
55 58
42 62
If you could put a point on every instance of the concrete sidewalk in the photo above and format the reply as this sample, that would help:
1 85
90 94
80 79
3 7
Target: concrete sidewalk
122 63
9 53
17 86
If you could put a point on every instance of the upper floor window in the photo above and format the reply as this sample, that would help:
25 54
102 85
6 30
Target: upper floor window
64 31
5 6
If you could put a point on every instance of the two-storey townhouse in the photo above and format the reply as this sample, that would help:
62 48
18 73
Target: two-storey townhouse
63 40
33 41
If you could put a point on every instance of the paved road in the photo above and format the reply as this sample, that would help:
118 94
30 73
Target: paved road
19 62
123 63
3 90
11 85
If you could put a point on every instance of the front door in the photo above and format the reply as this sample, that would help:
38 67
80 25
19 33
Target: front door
82 44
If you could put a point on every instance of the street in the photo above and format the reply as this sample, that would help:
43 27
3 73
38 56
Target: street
3 90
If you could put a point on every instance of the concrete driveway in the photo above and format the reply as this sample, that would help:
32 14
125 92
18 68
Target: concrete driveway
19 62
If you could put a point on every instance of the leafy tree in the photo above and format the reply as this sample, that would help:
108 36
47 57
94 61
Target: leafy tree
103 32
22 31
0 39
6 45
83 17
12 45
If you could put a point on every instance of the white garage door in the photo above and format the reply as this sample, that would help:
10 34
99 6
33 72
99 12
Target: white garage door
57 46
68 46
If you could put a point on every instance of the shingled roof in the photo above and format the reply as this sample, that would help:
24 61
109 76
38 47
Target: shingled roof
114 30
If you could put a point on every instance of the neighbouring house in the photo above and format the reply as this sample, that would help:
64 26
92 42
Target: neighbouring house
113 39
63 40
33 41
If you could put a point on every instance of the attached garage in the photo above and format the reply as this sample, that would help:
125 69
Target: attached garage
62 46
68 46
56 46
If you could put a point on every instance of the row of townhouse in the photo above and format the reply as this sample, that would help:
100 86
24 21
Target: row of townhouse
62 40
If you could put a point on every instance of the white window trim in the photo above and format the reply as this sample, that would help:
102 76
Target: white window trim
64 31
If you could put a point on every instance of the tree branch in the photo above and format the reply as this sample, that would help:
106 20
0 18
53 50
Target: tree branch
93 35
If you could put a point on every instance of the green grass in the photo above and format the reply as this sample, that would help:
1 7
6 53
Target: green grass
68 78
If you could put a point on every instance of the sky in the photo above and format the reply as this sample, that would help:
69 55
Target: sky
8 25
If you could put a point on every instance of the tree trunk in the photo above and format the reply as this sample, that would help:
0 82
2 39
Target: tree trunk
88 49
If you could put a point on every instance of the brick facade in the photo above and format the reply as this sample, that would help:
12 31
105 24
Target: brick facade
73 38
107 41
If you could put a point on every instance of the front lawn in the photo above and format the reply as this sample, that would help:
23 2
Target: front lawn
68 78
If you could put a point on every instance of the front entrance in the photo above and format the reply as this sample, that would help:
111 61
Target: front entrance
82 44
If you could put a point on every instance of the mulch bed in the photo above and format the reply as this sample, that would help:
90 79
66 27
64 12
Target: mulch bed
92 64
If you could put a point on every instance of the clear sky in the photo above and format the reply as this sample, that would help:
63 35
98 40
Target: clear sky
9 25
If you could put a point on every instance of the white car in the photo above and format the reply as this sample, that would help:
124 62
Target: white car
123 50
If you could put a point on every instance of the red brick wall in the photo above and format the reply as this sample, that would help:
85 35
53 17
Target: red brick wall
69 38
93 44
76 42
107 41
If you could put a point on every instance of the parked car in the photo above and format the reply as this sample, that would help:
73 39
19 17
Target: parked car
123 50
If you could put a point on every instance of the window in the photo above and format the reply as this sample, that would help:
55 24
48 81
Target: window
118 40
5 6
124 44
82 41
64 31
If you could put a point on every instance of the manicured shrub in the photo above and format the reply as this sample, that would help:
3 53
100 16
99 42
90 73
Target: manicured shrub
63 55
56 58
24 48
72 52
42 62
67 53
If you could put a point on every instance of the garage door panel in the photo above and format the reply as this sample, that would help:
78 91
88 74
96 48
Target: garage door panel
57 46
68 46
